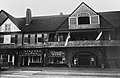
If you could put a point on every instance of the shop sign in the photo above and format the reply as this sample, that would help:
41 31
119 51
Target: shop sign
32 52
57 53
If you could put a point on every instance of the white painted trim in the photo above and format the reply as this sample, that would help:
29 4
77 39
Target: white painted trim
23 61
76 20
28 60
13 59
81 13
8 58
97 17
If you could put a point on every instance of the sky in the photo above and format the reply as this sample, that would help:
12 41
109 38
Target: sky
17 8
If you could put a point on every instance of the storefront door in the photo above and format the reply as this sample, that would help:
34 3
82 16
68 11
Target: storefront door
25 60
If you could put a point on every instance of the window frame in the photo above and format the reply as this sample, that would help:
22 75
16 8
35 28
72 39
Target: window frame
7 27
14 39
1 38
28 39
38 36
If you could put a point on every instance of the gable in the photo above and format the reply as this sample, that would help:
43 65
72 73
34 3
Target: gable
83 8
83 17
12 26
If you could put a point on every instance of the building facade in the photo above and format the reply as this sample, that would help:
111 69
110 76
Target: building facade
84 38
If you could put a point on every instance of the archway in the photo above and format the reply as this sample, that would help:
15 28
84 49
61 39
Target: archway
84 59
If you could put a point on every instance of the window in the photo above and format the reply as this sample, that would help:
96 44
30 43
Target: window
45 37
39 38
13 39
62 37
52 37
1 38
26 39
83 20
7 27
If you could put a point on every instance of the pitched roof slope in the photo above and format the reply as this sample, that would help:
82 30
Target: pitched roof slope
112 18
43 23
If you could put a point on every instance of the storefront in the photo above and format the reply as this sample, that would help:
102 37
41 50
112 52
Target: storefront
30 57
9 56
56 58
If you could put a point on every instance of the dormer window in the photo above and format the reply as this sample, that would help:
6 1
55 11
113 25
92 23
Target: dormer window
76 22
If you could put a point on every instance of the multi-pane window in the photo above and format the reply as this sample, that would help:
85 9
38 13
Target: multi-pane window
1 38
13 39
26 39
7 27
83 20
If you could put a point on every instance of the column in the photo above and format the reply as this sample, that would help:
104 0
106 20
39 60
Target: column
8 58
13 59
32 59
23 60
1 56
28 60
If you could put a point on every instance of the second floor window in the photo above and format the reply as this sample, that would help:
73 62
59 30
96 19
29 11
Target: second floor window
39 38
83 20
13 39
7 27
1 38
26 39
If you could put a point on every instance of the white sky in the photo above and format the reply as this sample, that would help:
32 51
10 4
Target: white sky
17 8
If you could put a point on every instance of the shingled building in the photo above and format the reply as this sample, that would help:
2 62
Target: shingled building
84 38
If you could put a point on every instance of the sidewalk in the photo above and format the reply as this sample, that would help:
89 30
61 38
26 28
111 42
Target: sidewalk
67 69
63 71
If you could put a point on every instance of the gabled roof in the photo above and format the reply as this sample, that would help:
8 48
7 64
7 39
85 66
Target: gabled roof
4 16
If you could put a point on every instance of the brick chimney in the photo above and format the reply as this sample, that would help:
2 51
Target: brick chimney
28 17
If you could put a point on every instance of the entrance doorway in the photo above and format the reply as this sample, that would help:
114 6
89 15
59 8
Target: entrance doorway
84 59
25 61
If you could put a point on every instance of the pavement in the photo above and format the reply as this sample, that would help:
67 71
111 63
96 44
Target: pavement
56 72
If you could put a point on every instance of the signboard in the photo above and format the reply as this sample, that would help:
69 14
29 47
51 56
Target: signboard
31 52
53 53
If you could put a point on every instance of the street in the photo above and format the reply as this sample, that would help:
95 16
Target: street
58 73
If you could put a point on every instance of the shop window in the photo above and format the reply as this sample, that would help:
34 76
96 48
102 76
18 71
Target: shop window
7 27
83 20
26 39
1 38
13 39
36 59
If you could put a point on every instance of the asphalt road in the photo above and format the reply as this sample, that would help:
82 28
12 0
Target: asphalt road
58 73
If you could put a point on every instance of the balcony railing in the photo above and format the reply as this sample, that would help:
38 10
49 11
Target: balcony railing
89 43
